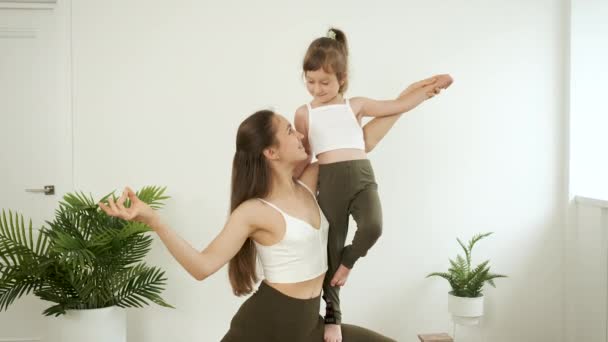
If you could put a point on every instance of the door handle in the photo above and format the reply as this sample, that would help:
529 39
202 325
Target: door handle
48 190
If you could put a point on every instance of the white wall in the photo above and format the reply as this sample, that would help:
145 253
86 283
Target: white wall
586 306
590 293
160 87
589 141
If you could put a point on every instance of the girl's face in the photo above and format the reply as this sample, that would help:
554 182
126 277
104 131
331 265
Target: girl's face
290 148
323 86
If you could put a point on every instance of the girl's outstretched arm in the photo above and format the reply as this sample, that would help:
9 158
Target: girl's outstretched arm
409 99
377 128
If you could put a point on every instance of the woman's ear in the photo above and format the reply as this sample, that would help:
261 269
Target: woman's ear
271 153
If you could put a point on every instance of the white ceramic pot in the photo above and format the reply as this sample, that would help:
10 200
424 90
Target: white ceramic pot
94 325
465 311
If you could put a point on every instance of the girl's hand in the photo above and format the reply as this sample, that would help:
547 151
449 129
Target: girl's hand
333 333
434 84
340 276
138 211
444 81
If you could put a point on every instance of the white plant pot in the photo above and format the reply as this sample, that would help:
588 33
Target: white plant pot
94 325
465 311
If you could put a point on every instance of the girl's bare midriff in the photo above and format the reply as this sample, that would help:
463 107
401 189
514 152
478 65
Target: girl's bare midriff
339 155
301 290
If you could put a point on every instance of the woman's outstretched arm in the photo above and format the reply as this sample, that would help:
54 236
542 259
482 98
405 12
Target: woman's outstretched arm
200 264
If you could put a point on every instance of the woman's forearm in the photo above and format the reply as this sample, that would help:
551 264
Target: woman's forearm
191 260
376 130
411 98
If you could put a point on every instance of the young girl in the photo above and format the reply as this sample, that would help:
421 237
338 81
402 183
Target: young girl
331 125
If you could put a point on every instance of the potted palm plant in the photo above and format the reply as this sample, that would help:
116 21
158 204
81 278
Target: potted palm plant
88 264
465 301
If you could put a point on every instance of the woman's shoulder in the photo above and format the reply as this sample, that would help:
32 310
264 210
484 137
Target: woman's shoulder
254 214
251 211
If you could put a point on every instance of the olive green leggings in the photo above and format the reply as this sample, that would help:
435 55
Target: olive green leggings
271 316
347 188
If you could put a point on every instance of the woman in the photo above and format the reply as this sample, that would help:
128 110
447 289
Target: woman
276 217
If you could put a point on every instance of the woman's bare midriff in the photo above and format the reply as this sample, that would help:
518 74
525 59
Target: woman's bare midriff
341 155
302 290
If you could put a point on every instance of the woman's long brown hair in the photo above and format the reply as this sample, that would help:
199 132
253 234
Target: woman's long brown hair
250 179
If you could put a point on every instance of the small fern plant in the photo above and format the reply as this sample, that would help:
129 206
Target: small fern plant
467 282
83 259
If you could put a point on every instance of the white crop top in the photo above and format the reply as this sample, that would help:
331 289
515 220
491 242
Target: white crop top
301 254
333 127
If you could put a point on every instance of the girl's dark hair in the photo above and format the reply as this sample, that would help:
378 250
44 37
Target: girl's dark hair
331 54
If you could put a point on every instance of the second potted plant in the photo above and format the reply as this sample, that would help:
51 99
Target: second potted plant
465 301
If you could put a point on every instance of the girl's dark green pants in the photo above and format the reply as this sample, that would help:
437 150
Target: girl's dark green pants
347 188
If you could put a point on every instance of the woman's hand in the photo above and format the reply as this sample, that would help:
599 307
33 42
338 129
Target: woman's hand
419 84
138 211
333 333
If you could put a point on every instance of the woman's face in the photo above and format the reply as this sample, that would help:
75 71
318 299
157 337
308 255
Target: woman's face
290 148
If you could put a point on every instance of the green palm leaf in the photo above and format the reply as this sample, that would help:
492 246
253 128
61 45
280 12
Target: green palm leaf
82 259
140 284
153 196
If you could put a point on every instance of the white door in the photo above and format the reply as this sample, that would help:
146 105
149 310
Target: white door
35 129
